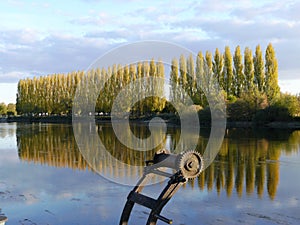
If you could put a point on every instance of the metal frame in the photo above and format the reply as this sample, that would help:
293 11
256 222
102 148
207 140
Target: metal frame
156 205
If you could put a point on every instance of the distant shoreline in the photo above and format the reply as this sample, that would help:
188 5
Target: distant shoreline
172 121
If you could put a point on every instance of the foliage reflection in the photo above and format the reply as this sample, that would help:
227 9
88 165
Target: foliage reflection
248 160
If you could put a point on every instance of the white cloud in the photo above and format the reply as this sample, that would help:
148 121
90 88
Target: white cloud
290 86
196 25
191 35
12 76
94 19
8 93
51 54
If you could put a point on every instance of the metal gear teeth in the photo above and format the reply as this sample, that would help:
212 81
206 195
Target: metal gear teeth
190 163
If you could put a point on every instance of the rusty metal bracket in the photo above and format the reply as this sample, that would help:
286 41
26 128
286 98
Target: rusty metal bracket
187 165
3 219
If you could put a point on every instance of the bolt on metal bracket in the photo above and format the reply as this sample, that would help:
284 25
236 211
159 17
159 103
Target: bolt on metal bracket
187 165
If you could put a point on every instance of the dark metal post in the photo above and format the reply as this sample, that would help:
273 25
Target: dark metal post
188 165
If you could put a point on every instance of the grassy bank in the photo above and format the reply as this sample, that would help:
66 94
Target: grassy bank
170 119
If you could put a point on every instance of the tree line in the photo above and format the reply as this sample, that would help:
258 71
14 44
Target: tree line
54 94
240 76
237 75
7 109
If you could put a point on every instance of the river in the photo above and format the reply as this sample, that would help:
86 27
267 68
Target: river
46 179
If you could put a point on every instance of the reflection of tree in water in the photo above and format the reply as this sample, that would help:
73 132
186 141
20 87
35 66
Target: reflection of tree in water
49 144
124 154
248 161
248 158
55 145
7 130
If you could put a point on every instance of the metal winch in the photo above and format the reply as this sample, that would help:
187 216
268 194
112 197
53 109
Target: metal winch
187 165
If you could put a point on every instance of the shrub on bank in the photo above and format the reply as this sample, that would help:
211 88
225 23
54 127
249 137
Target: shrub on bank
284 108
245 107
271 114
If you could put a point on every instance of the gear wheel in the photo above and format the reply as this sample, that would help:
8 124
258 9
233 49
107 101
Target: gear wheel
190 163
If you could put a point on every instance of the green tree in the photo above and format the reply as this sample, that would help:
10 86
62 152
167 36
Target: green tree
218 67
132 72
160 85
3 109
209 61
259 69
249 71
112 87
31 97
104 94
228 72
174 78
20 97
117 78
126 76
208 75
146 86
152 102
271 74
191 78
288 102
139 76
125 81
49 94
238 71
199 78
11 109
183 80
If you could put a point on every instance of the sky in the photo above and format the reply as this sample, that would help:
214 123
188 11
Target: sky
45 37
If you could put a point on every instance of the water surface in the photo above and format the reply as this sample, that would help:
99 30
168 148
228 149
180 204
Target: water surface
44 179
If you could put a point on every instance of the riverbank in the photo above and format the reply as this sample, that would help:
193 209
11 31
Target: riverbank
170 120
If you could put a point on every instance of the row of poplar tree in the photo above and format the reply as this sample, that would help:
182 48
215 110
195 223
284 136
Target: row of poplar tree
236 74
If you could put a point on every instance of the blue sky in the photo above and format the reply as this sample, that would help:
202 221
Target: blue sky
45 37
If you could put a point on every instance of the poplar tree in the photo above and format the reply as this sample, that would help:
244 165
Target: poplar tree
31 96
259 69
126 76
146 86
183 75
161 74
174 78
271 74
139 75
104 92
218 67
199 78
49 98
19 99
249 71
110 89
228 72
208 72
239 80
132 72
133 88
117 78
208 61
125 79
152 101
191 79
